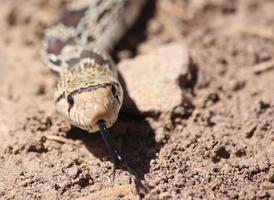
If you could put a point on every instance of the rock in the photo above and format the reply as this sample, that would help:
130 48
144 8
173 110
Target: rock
152 80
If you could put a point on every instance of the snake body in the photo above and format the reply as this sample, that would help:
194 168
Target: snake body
77 46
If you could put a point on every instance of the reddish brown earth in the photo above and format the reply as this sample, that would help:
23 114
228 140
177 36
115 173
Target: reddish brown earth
218 144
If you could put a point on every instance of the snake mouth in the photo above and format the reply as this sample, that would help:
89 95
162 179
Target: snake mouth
94 127
87 118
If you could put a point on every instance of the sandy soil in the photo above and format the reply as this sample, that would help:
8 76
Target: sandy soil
218 145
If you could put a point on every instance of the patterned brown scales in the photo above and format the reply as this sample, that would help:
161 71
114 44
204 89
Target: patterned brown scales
76 46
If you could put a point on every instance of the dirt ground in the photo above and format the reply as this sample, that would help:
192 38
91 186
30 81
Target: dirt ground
219 144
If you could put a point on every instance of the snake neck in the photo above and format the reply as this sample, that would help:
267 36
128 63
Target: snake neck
96 23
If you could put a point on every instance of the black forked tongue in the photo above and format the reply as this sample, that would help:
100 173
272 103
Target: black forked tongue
116 156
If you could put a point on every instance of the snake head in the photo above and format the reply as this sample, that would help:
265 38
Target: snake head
85 106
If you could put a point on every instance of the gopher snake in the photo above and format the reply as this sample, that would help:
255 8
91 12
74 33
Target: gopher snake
77 46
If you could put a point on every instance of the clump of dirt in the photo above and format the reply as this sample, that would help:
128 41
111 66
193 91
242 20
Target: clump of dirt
217 144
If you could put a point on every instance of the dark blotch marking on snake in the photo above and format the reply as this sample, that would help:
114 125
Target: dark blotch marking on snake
98 59
73 61
95 56
72 18
55 45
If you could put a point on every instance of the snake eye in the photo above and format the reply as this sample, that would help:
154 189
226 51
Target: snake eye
113 90
70 100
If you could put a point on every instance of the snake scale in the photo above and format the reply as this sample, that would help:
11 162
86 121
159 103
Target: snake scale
77 46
